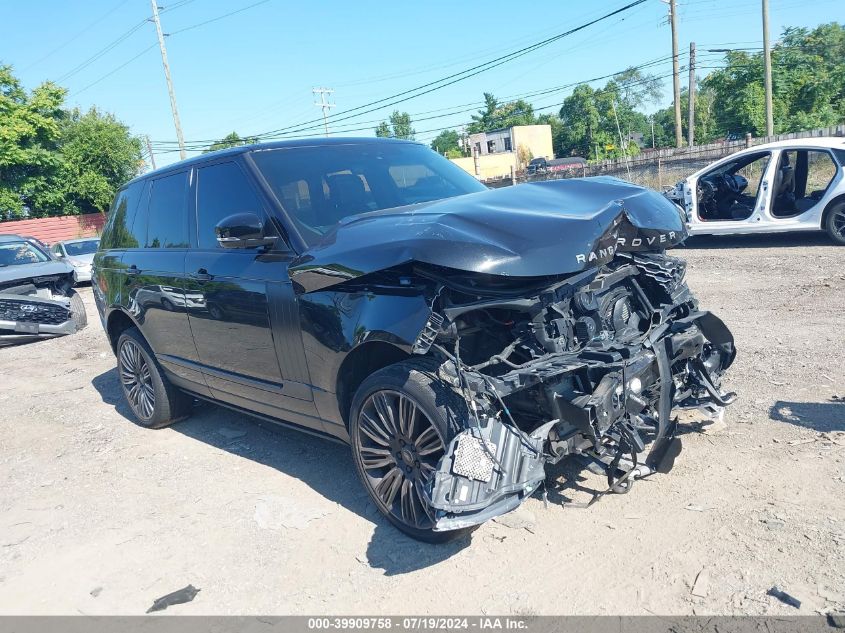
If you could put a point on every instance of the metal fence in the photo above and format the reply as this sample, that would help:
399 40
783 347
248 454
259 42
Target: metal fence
663 167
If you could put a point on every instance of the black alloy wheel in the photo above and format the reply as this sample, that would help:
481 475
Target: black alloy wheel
401 420
836 223
137 380
399 449
155 402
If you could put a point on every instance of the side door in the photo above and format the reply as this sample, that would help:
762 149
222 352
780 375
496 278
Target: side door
803 185
155 275
715 210
241 306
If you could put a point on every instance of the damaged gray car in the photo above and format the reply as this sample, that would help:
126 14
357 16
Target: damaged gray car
36 292
460 339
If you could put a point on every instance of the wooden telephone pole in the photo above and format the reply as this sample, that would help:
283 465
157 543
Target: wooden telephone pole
676 79
691 95
767 58
176 121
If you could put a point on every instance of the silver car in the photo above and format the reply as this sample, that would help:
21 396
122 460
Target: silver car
79 254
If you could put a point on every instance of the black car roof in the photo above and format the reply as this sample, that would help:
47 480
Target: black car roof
243 149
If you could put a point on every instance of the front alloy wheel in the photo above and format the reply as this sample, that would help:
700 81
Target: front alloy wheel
401 420
399 450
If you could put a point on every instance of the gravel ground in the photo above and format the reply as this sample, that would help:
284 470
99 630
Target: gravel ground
98 515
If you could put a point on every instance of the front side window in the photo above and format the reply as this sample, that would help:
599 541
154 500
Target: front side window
167 218
222 190
19 253
319 186
729 192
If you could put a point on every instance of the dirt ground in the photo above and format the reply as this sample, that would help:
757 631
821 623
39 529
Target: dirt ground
98 515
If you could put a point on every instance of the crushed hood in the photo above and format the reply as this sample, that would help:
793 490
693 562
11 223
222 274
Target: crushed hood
534 229
23 272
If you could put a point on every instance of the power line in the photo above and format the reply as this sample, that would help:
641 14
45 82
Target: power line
219 17
101 52
449 80
459 76
203 145
452 110
139 54
77 36
113 71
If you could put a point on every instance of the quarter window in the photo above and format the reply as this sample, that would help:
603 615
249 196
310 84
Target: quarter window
118 232
222 190
168 219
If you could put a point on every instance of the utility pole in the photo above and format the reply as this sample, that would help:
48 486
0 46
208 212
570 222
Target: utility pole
767 57
676 80
691 95
176 122
150 151
325 105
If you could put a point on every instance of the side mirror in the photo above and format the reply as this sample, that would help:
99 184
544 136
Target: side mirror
242 230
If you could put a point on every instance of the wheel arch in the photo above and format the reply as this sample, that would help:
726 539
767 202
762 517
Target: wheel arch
117 322
361 362
840 199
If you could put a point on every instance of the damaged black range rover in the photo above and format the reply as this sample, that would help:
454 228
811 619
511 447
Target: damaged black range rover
459 338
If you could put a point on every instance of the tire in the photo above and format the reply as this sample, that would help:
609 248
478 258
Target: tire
154 401
77 310
393 461
834 223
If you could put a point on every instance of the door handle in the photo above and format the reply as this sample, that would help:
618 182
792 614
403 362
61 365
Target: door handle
133 270
202 275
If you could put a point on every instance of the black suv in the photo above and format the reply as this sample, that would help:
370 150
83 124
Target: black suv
458 338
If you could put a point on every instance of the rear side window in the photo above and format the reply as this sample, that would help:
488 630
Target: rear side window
167 216
118 231
222 190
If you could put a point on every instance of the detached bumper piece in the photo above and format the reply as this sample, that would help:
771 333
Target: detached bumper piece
487 471
22 314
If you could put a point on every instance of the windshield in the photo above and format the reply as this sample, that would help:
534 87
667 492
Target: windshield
18 253
319 186
81 248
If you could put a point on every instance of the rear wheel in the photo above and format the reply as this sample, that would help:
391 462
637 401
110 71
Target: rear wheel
154 401
835 223
402 418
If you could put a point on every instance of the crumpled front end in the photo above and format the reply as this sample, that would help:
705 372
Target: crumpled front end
597 365
40 306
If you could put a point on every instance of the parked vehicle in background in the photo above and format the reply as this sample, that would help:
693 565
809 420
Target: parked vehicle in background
41 245
36 292
79 253
796 185
544 165
459 338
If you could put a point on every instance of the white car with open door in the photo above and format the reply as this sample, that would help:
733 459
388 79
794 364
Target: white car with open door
796 185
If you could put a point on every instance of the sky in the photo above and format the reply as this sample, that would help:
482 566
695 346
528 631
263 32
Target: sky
250 65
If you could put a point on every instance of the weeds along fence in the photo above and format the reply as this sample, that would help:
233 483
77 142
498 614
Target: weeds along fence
664 167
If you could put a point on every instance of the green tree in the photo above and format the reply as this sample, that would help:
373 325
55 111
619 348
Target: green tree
233 139
808 84
398 126
58 162
497 115
446 141
98 155
30 124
